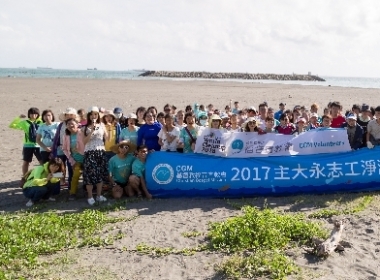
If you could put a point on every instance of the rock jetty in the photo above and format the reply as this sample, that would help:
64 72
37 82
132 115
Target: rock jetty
242 76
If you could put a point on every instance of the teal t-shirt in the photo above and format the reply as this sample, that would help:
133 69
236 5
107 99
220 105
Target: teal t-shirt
138 168
73 148
126 134
120 169
186 140
47 133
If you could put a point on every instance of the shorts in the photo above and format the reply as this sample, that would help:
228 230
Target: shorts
28 152
123 185
45 156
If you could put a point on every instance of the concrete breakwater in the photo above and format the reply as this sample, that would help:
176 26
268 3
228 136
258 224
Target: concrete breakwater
243 76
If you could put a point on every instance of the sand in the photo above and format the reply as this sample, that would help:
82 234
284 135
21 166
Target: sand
160 222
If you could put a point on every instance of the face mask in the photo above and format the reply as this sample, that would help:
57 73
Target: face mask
203 122
118 115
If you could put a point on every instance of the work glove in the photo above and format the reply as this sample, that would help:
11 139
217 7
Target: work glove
370 145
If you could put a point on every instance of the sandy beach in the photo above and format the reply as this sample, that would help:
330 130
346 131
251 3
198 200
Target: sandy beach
161 222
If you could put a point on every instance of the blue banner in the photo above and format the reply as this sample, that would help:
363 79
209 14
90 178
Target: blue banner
195 175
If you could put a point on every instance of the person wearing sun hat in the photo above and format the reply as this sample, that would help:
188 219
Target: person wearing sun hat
113 129
203 119
120 166
354 131
215 122
252 125
95 160
56 150
131 131
301 126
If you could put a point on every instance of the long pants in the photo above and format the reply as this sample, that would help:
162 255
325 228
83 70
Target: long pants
69 168
75 178
36 193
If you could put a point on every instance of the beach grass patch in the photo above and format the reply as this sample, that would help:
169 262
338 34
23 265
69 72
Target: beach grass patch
263 235
25 236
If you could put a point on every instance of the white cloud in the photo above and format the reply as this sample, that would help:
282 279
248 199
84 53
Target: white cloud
325 37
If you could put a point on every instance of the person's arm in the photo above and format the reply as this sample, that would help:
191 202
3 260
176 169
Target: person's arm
110 168
18 123
106 136
140 135
42 145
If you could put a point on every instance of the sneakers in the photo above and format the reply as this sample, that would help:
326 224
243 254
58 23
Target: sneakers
29 203
91 201
51 199
101 198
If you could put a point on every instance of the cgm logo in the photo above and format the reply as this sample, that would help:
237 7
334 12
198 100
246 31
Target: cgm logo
163 173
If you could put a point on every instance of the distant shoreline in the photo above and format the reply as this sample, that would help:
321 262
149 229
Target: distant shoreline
227 75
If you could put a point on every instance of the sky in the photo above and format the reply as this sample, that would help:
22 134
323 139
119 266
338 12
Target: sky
330 38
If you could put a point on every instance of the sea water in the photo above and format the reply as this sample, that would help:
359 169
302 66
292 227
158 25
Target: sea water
134 74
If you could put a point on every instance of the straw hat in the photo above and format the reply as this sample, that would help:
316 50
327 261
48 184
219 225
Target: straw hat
215 117
68 111
131 116
131 146
109 113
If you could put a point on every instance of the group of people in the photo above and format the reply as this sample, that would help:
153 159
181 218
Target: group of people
110 147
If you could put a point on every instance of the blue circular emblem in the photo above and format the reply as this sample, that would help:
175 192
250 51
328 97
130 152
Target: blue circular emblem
163 174
237 144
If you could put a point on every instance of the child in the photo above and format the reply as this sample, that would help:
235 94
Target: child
45 134
82 117
73 148
120 166
41 181
136 181
30 127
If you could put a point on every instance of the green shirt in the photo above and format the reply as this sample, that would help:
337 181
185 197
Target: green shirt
120 169
24 125
138 168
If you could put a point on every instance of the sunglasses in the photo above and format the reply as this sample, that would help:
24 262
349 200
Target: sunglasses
124 146
167 110
251 123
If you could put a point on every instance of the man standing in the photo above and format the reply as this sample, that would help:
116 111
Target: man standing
278 114
337 118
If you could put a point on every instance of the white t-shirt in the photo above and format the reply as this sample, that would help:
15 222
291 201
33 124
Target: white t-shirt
172 146
96 141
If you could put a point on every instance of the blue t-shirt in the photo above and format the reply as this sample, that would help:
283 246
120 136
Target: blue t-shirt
120 169
73 149
148 135
47 133
138 168
126 134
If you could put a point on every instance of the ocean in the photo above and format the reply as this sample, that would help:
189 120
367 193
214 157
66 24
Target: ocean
134 74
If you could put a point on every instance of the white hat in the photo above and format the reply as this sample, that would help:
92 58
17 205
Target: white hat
109 112
68 111
252 108
93 109
313 115
351 117
215 117
300 119
252 119
131 116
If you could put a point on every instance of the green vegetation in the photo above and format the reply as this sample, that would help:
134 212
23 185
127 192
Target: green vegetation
263 236
352 207
25 236
191 234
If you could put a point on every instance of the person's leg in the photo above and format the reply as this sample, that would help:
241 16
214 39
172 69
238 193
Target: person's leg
133 185
51 189
37 154
75 178
64 159
45 156
37 193
27 156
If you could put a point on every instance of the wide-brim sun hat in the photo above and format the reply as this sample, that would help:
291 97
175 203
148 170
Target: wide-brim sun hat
301 120
131 116
109 113
68 111
215 117
94 109
132 146
252 119
314 115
